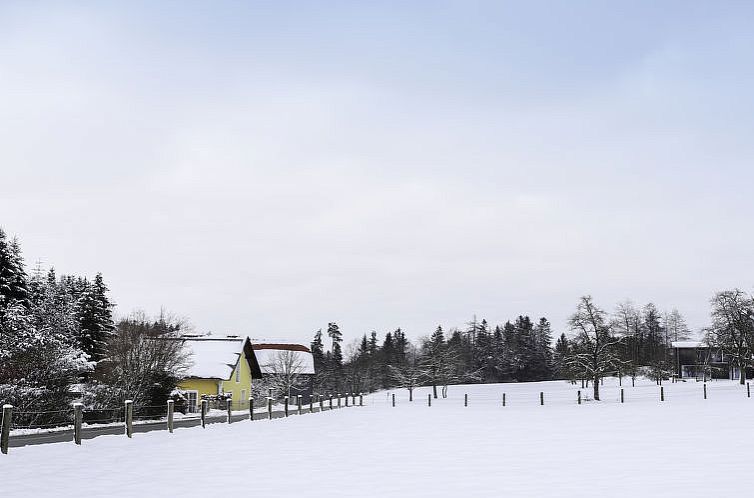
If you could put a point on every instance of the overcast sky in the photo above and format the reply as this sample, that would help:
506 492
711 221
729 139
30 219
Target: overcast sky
266 168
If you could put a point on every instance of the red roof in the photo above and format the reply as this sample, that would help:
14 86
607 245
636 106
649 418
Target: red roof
284 347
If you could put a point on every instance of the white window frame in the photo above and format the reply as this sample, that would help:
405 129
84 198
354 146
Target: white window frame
195 407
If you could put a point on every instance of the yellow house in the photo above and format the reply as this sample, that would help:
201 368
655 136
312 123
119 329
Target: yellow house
219 365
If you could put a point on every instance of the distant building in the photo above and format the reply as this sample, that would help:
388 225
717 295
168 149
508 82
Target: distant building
220 366
272 359
694 359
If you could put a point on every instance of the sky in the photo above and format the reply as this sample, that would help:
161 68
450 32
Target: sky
265 168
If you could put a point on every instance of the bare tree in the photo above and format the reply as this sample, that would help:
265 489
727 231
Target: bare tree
284 372
626 323
675 326
410 375
594 353
145 361
733 327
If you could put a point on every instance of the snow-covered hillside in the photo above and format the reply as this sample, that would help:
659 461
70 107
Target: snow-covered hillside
685 446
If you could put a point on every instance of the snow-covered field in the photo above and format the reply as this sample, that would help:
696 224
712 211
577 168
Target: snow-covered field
685 446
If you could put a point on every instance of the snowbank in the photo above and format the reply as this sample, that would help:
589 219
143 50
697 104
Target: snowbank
642 447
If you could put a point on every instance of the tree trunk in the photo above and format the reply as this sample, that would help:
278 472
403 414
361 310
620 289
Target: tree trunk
596 385
434 390
742 374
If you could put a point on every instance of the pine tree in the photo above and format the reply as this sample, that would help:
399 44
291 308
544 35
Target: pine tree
388 358
94 313
562 350
38 360
373 346
13 284
364 347
542 363
336 360
401 347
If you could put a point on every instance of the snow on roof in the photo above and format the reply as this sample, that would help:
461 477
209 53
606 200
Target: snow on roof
687 344
212 357
265 354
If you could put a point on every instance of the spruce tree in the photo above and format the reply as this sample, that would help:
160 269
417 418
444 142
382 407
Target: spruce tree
38 360
388 358
336 361
542 363
13 284
94 313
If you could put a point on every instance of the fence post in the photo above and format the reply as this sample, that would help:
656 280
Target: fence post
77 418
339 395
171 409
129 418
321 403
331 402
353 399
621 395
393 400
361 398
204 413
465 400
705 390
579 396
311 403
662 393
429 400
410 394
269 407
346 400
298 401
748 390
5 431
503 399
541 398
229 406
286 405
251 408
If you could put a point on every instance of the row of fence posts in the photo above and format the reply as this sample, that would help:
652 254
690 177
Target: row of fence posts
578 396
78 415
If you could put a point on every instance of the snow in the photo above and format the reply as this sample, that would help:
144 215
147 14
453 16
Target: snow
686 344
266 357
213 358
685 446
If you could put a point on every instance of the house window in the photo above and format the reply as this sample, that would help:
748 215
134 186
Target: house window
238 372
192 400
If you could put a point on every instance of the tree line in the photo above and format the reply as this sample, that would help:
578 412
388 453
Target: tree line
631 341
59 343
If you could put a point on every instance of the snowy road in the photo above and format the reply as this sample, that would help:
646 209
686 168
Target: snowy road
685 446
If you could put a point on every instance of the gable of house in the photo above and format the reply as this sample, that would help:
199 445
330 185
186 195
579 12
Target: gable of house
219 365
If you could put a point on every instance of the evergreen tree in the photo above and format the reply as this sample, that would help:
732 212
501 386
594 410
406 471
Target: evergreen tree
562 350
335 362
13 283
38 360
401 347
373 346
542 362
388 357
94 313
434 359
